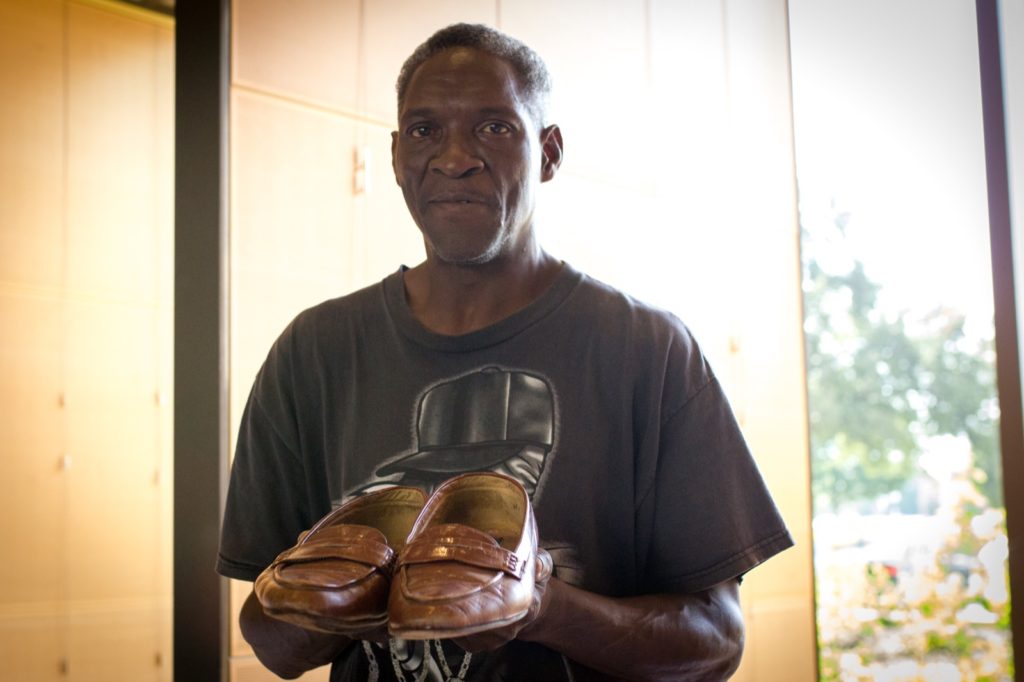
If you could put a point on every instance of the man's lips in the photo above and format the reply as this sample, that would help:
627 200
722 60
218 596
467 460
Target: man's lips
457 198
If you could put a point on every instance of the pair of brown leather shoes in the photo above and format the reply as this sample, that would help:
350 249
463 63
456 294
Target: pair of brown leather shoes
458 563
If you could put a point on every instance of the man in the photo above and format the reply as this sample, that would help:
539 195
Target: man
492 354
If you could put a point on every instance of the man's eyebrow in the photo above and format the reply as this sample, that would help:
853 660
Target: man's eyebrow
504 111
431 112
420 112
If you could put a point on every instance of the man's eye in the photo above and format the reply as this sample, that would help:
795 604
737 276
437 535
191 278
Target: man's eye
420 131
497 128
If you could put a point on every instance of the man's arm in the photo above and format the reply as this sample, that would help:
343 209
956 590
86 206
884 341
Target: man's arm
285 649
651 637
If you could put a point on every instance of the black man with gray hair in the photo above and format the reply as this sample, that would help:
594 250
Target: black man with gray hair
494 356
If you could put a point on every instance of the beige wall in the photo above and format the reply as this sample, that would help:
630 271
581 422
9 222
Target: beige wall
675 115
85 341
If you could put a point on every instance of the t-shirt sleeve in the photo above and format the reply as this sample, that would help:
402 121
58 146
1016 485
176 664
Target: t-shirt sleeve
712 515
269 501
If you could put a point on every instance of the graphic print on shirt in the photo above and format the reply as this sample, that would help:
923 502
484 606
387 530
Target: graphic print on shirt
491 419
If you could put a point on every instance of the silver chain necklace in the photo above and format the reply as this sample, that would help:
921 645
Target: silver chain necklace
463 668
426 666
372 660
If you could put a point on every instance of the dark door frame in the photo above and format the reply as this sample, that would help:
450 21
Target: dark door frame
202 58
1008 379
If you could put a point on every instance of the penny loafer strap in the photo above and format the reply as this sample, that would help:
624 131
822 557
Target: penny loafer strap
356 543
375 554
465 551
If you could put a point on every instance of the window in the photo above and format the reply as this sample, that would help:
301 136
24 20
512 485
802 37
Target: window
910 544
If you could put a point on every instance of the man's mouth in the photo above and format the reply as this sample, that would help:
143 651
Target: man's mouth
455 199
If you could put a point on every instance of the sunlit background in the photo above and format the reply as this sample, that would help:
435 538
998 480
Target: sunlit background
909 528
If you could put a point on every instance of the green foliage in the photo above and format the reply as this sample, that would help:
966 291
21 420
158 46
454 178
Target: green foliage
875 623
880 383
890 394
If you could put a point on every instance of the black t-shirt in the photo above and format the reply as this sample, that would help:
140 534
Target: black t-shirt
603 407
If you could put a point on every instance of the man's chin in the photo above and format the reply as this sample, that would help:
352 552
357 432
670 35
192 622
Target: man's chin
466 256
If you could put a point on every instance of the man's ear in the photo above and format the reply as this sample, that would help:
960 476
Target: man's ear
394 150
551 152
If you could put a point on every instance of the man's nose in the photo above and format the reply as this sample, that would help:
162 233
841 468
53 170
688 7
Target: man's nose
456 158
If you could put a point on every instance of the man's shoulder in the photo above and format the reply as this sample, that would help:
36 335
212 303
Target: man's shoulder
333 323
368 300
611 304
650 343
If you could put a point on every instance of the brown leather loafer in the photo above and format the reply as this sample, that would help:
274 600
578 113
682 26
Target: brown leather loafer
469 563
337 578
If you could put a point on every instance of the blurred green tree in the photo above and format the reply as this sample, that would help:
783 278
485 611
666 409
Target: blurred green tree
879 383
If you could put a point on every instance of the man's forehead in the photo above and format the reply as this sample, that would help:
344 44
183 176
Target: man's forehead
462 67
461 55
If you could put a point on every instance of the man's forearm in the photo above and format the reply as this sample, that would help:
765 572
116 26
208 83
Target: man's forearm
285 649
653 637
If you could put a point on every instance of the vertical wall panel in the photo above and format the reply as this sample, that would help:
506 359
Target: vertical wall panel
292 188
308 50
693 176
291 203
84 295
31 156
161 64
113 498
115 645
763 287
31 450
160 608
32 647
112 235
31 233
120 260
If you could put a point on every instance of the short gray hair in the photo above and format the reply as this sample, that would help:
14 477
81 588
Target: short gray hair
534 79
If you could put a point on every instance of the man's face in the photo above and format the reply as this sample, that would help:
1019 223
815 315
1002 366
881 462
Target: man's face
469 156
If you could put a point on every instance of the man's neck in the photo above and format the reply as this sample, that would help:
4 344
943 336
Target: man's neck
458 299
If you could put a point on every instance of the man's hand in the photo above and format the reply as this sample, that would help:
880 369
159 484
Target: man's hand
285 649
493 639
